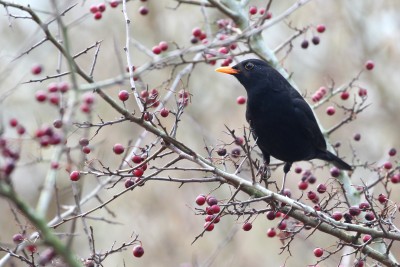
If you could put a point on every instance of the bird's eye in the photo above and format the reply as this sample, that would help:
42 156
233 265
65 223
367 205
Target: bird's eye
249 66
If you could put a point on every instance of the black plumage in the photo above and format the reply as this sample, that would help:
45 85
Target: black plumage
281 120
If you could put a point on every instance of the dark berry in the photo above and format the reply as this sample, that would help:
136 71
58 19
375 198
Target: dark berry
247 226
315 40
357 137
335 172
271 215
138 251
18 238
221 152
370 216
354 211
392 152
369 65
143 10
321 188
304 44
129 182
211 201
83 141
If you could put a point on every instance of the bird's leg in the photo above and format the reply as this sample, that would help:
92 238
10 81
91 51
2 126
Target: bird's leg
264 172
286 169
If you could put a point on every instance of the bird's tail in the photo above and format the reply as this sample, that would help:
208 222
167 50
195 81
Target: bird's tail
335 160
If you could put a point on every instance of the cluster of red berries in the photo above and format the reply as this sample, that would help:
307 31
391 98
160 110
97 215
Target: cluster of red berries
47 136
98 10
282 225
84 143
211 210
161 47
315 39
253 10
137 172
183 98
88 100
319 94
150 99
53 93
10 158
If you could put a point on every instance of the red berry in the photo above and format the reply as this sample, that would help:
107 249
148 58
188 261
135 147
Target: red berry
163 45
123 95
261 11
88 98
94 9
98 15
138 172
85 108
357 137
118 149
344 95
86 149
211 201
83 141
52 88
223 50
144 94
318 252
31 248
304 44
315 40
269 15
40 96
271 232
271 215
282 225
209 226
311 195
359 263
215 209
303 185
129 182
330 110
101 7
36 69
369 65
321 188
366 238
321 28
364 206
388 165
143 10
354 211
114 3
164 112
241 100
13 122
247 226
335 172
137 159
382 198
18 238
21 129
138 251
362 92
239 141
392 152
395 179
370 216
54 165
147 116
253 10
337 215
156 50
63 86
196 32
200 200
298 170
74 176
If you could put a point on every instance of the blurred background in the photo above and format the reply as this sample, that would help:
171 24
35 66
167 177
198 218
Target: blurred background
163 213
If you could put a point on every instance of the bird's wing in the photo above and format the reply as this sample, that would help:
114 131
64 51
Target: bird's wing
306 118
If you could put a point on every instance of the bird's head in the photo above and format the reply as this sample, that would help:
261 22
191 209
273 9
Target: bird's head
251 73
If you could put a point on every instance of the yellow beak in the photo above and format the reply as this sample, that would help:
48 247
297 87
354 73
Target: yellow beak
227 70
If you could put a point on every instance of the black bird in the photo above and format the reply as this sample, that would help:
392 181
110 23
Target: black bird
281 120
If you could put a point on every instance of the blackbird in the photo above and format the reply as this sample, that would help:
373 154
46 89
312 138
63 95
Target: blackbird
282 122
